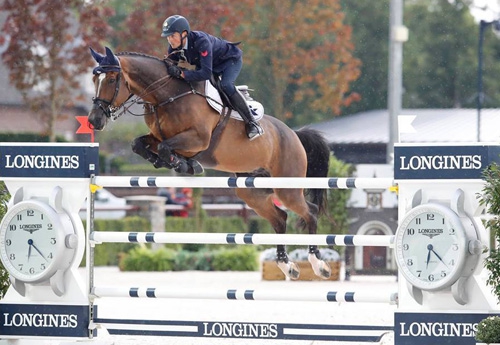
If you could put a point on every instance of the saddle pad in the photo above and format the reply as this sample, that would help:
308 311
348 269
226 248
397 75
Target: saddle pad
215 102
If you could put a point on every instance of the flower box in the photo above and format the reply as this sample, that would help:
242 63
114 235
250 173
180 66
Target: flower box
271 271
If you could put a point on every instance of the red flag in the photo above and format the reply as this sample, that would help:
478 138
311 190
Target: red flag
85 127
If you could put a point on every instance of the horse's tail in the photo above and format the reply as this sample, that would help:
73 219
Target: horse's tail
318 159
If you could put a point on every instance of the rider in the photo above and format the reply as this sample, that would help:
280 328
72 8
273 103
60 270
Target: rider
209 54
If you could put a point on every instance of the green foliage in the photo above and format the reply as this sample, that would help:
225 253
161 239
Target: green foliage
338 220
488 330
4 276
490 198
242 258
27 137
439 55
370 28
188 260
144 259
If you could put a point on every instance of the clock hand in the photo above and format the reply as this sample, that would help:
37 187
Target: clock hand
39 252
429 247
439 257
29 249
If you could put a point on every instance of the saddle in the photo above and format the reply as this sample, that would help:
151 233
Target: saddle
217 99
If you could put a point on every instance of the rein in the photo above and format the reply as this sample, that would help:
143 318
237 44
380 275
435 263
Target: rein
110 110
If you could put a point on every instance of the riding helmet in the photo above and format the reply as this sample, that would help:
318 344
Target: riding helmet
173 24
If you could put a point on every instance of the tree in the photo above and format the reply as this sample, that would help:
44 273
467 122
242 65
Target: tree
296 54
303 55
47 51
370 27
140 31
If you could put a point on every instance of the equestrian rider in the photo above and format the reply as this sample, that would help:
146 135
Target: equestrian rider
210 55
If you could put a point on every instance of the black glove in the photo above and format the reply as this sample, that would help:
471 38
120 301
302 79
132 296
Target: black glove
174 71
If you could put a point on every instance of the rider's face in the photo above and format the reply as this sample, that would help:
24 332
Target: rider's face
174 40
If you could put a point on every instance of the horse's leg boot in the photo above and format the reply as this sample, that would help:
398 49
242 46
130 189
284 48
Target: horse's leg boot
252 127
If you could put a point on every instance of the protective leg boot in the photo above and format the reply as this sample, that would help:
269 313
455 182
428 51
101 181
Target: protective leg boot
253 129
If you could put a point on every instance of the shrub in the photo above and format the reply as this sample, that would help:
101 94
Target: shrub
242 258
4 275
488 330
144 259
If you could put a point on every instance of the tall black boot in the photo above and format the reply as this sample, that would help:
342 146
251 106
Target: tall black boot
252 127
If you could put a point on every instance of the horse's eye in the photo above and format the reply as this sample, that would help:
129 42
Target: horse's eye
112 80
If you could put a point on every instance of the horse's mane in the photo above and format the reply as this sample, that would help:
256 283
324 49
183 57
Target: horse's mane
139 54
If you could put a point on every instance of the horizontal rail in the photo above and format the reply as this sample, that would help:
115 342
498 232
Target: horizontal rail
245 182
240 238
243 294
173 207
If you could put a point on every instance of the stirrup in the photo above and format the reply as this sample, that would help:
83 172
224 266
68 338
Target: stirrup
254 131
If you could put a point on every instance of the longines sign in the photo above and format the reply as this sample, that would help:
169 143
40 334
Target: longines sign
443 162
69 321
48 160
436 328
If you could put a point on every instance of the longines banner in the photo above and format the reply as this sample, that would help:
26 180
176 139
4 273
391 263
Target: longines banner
443 162
48 160
69 321
436 328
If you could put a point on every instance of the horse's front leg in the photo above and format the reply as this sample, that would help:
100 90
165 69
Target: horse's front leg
188 141
144 147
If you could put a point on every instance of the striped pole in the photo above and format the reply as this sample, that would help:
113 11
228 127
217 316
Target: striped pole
245 182
241 238
244 294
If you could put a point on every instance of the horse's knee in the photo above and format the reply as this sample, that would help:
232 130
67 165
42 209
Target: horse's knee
137 145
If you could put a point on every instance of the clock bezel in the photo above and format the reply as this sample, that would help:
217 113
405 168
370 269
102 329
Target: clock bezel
456 223
55 218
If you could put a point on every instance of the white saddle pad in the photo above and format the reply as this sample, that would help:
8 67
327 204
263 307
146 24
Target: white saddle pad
215 102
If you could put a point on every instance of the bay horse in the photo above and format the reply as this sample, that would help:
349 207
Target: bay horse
186 133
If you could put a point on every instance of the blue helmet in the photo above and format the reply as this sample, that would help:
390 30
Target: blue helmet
173 24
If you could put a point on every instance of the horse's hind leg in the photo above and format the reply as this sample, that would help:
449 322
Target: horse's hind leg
294 200
261 202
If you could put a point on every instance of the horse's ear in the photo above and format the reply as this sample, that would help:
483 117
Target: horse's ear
97 57
112 59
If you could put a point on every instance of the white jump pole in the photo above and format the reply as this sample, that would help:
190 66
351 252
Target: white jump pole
239 238
246 294
245 182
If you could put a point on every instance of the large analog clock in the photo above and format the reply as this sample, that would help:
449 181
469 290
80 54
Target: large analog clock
431 247
37 244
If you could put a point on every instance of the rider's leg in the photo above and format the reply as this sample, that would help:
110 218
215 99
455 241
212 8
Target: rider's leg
252 127
228 76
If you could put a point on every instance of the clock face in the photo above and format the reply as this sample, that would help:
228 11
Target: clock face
29 241
431 247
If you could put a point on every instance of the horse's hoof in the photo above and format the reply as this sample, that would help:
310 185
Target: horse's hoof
197 168
293 271
320 267
182 167
325 271
290 269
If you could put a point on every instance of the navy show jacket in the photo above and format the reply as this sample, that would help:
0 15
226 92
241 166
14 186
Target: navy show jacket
208 53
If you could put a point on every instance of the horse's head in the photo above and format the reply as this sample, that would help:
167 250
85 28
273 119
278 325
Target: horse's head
111 90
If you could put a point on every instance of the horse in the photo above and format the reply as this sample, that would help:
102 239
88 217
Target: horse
186 133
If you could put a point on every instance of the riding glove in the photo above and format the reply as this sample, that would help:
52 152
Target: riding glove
174 71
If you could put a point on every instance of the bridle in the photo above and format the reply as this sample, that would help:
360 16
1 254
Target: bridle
107 106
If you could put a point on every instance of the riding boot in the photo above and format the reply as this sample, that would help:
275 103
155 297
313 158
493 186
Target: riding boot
252 127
